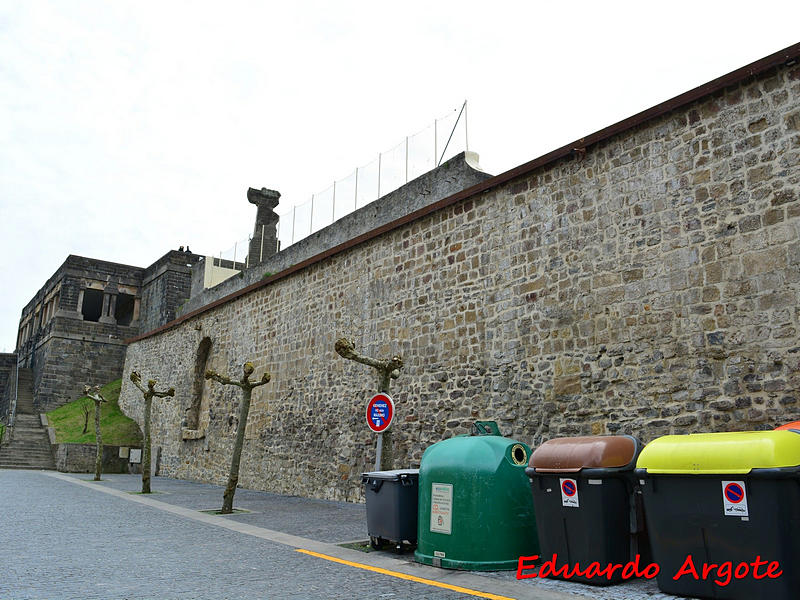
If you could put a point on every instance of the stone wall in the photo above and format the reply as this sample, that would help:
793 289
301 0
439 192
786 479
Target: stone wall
8 363
645 284
166 286
80 458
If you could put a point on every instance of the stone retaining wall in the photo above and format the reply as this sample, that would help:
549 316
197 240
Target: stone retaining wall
80 458
647 285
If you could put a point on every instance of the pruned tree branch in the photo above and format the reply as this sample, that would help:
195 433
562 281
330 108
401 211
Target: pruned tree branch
247 390
149 393
387 369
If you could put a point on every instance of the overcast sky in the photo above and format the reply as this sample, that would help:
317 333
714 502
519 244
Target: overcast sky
130 128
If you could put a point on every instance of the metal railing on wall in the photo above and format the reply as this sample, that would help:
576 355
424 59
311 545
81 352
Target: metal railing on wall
414 156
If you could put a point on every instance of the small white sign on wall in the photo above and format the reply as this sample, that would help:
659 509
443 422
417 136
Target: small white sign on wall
135 456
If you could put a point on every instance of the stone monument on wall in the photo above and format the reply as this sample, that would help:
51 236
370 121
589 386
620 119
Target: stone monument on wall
264 242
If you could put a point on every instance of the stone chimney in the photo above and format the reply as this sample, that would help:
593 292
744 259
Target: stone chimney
265 236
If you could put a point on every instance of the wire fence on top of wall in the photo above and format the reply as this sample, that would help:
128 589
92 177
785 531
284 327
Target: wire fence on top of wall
415 155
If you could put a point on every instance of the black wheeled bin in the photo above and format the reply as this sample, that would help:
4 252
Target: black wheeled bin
727 500
587 505
392 501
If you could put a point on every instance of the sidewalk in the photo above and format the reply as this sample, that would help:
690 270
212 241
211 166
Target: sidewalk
305 534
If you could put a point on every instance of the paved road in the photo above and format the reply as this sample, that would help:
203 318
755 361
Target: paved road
64 536
61 540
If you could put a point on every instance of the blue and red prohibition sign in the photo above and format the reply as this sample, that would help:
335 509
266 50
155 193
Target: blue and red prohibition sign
380 411
569 489
734 493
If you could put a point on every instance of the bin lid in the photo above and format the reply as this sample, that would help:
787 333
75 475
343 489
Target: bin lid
393 475
792 425
723 453
570 455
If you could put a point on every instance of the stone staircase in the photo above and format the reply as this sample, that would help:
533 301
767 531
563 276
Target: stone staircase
30 446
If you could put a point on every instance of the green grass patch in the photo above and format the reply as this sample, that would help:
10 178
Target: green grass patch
2 432
116 428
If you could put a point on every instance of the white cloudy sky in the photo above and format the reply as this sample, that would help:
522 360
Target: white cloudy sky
130 128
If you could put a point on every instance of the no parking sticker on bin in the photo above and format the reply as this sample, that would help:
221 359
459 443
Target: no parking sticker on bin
734 499
569 492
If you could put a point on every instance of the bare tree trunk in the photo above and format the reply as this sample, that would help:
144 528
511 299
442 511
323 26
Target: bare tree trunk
148 402
98 463
94 394
233 477
247 388
148 394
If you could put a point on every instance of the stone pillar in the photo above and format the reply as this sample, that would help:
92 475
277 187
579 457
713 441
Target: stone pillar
109 305
136 303
266 221
80 305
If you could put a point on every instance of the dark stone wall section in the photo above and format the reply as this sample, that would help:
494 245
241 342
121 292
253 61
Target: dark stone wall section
7 364
65 351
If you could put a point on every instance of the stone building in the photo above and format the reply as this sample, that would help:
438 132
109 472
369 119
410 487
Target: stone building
73 330
644 279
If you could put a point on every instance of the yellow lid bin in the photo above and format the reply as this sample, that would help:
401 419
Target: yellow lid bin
719 504
721 453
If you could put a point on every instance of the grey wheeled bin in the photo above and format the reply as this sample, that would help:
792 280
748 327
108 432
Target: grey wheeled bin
392 500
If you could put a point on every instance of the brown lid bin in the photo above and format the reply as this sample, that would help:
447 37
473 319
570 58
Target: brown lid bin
571 455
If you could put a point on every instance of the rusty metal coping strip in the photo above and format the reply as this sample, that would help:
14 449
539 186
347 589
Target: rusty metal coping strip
734 77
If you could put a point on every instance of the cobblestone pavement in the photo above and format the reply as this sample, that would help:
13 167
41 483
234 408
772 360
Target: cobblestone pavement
64 539
61 540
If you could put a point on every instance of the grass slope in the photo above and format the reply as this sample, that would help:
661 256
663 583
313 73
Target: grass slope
116 428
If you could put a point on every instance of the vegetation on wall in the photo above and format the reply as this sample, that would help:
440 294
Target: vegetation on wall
117 429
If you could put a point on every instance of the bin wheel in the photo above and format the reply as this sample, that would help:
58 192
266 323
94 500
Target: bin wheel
376 542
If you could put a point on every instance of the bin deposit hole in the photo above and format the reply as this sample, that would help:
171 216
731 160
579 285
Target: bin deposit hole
518 455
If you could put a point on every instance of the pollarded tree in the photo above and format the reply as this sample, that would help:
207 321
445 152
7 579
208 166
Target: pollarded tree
247 391
148 394
94 394
388 369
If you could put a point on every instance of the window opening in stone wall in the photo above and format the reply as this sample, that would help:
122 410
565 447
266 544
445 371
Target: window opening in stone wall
124 312
92 304
193 412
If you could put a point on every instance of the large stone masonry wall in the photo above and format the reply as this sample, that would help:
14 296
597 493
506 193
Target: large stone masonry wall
648 286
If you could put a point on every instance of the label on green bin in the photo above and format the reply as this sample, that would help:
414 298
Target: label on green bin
734 499
442 507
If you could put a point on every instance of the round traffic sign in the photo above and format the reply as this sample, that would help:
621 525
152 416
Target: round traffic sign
380 411
734 493
569 488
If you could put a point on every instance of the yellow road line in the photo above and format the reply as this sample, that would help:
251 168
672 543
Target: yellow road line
399 575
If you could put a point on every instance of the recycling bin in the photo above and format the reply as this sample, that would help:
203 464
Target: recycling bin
722 513
392 498
475 508
588 506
